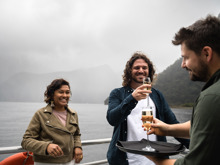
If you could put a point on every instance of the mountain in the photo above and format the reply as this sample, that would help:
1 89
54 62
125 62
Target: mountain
176 86
91 85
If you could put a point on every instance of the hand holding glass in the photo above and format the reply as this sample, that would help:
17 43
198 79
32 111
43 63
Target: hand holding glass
147 118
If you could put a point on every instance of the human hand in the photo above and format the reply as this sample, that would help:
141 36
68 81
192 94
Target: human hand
157 127
54 150
78 155
141 93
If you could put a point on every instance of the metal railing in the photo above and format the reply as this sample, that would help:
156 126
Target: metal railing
16 149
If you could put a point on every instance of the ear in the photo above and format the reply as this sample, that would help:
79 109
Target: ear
207 53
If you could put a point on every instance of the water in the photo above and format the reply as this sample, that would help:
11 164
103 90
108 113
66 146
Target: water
15 118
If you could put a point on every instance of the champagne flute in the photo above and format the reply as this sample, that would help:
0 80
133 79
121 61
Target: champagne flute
147 80
147 115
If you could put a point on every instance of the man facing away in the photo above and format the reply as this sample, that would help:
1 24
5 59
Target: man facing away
200 51
125 107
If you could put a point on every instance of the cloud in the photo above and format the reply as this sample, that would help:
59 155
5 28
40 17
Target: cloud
53 35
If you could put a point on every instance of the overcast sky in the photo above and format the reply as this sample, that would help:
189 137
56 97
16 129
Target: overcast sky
44 36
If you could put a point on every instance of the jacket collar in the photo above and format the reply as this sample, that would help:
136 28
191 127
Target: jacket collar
215 77
48 109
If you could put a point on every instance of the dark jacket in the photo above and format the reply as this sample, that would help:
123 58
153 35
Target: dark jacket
121 103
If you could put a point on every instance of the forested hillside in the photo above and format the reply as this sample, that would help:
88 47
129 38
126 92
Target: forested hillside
176 86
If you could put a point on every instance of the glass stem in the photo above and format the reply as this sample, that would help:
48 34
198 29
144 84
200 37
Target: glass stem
148 100
148 143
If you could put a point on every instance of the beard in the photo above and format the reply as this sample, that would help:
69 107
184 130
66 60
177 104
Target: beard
138 80
199 74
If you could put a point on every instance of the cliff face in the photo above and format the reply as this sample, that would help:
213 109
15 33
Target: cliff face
176 86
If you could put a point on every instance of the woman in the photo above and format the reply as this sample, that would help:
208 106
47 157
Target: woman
53 134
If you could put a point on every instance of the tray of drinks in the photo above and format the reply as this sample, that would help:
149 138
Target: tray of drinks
160 148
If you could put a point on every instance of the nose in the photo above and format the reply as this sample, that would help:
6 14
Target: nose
64 94
183 64
141 70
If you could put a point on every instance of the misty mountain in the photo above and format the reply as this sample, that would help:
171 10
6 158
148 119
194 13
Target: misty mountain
91 85
176 86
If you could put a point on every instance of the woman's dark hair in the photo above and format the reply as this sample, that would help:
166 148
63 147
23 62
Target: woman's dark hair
127 71
56 84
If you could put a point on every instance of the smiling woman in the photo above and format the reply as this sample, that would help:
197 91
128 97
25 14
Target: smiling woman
53 134
58 94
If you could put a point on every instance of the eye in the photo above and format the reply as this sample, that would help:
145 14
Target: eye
60 91
136 67
144 67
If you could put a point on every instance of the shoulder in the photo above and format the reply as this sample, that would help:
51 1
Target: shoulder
207 106
210 97
118 91
212 90
156 93
72 111
42 110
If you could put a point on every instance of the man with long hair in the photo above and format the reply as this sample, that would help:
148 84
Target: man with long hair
125 107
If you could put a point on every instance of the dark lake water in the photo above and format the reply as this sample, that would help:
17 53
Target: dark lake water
15 118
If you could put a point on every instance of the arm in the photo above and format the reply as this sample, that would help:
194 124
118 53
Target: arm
77 134
180 130
121 103
30 142
165 114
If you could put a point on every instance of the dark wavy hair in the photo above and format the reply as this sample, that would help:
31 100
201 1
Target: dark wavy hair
55 84
127 71
204 32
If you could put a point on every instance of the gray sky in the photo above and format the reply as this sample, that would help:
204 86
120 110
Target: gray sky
55 35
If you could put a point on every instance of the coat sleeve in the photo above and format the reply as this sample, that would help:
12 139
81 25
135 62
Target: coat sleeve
77 135
119 107
30 140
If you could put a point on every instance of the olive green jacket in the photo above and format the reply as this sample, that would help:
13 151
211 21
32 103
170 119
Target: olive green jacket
205 133
46 128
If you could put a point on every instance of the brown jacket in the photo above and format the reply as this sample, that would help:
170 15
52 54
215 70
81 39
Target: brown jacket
46 128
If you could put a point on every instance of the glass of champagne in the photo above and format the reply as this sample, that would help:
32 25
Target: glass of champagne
147 118
147 80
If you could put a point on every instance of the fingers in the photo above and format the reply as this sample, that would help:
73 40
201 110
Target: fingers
78 158
78 155
141 92
54 150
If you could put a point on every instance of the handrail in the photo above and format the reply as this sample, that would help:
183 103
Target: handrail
16 149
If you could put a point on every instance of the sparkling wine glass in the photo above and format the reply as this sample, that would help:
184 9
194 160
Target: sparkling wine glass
147 80
147 116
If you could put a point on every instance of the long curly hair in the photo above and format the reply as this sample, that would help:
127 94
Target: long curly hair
127 77
55 84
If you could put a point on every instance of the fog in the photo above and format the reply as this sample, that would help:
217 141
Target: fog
43 36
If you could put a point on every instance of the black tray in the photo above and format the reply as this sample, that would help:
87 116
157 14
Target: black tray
161 148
